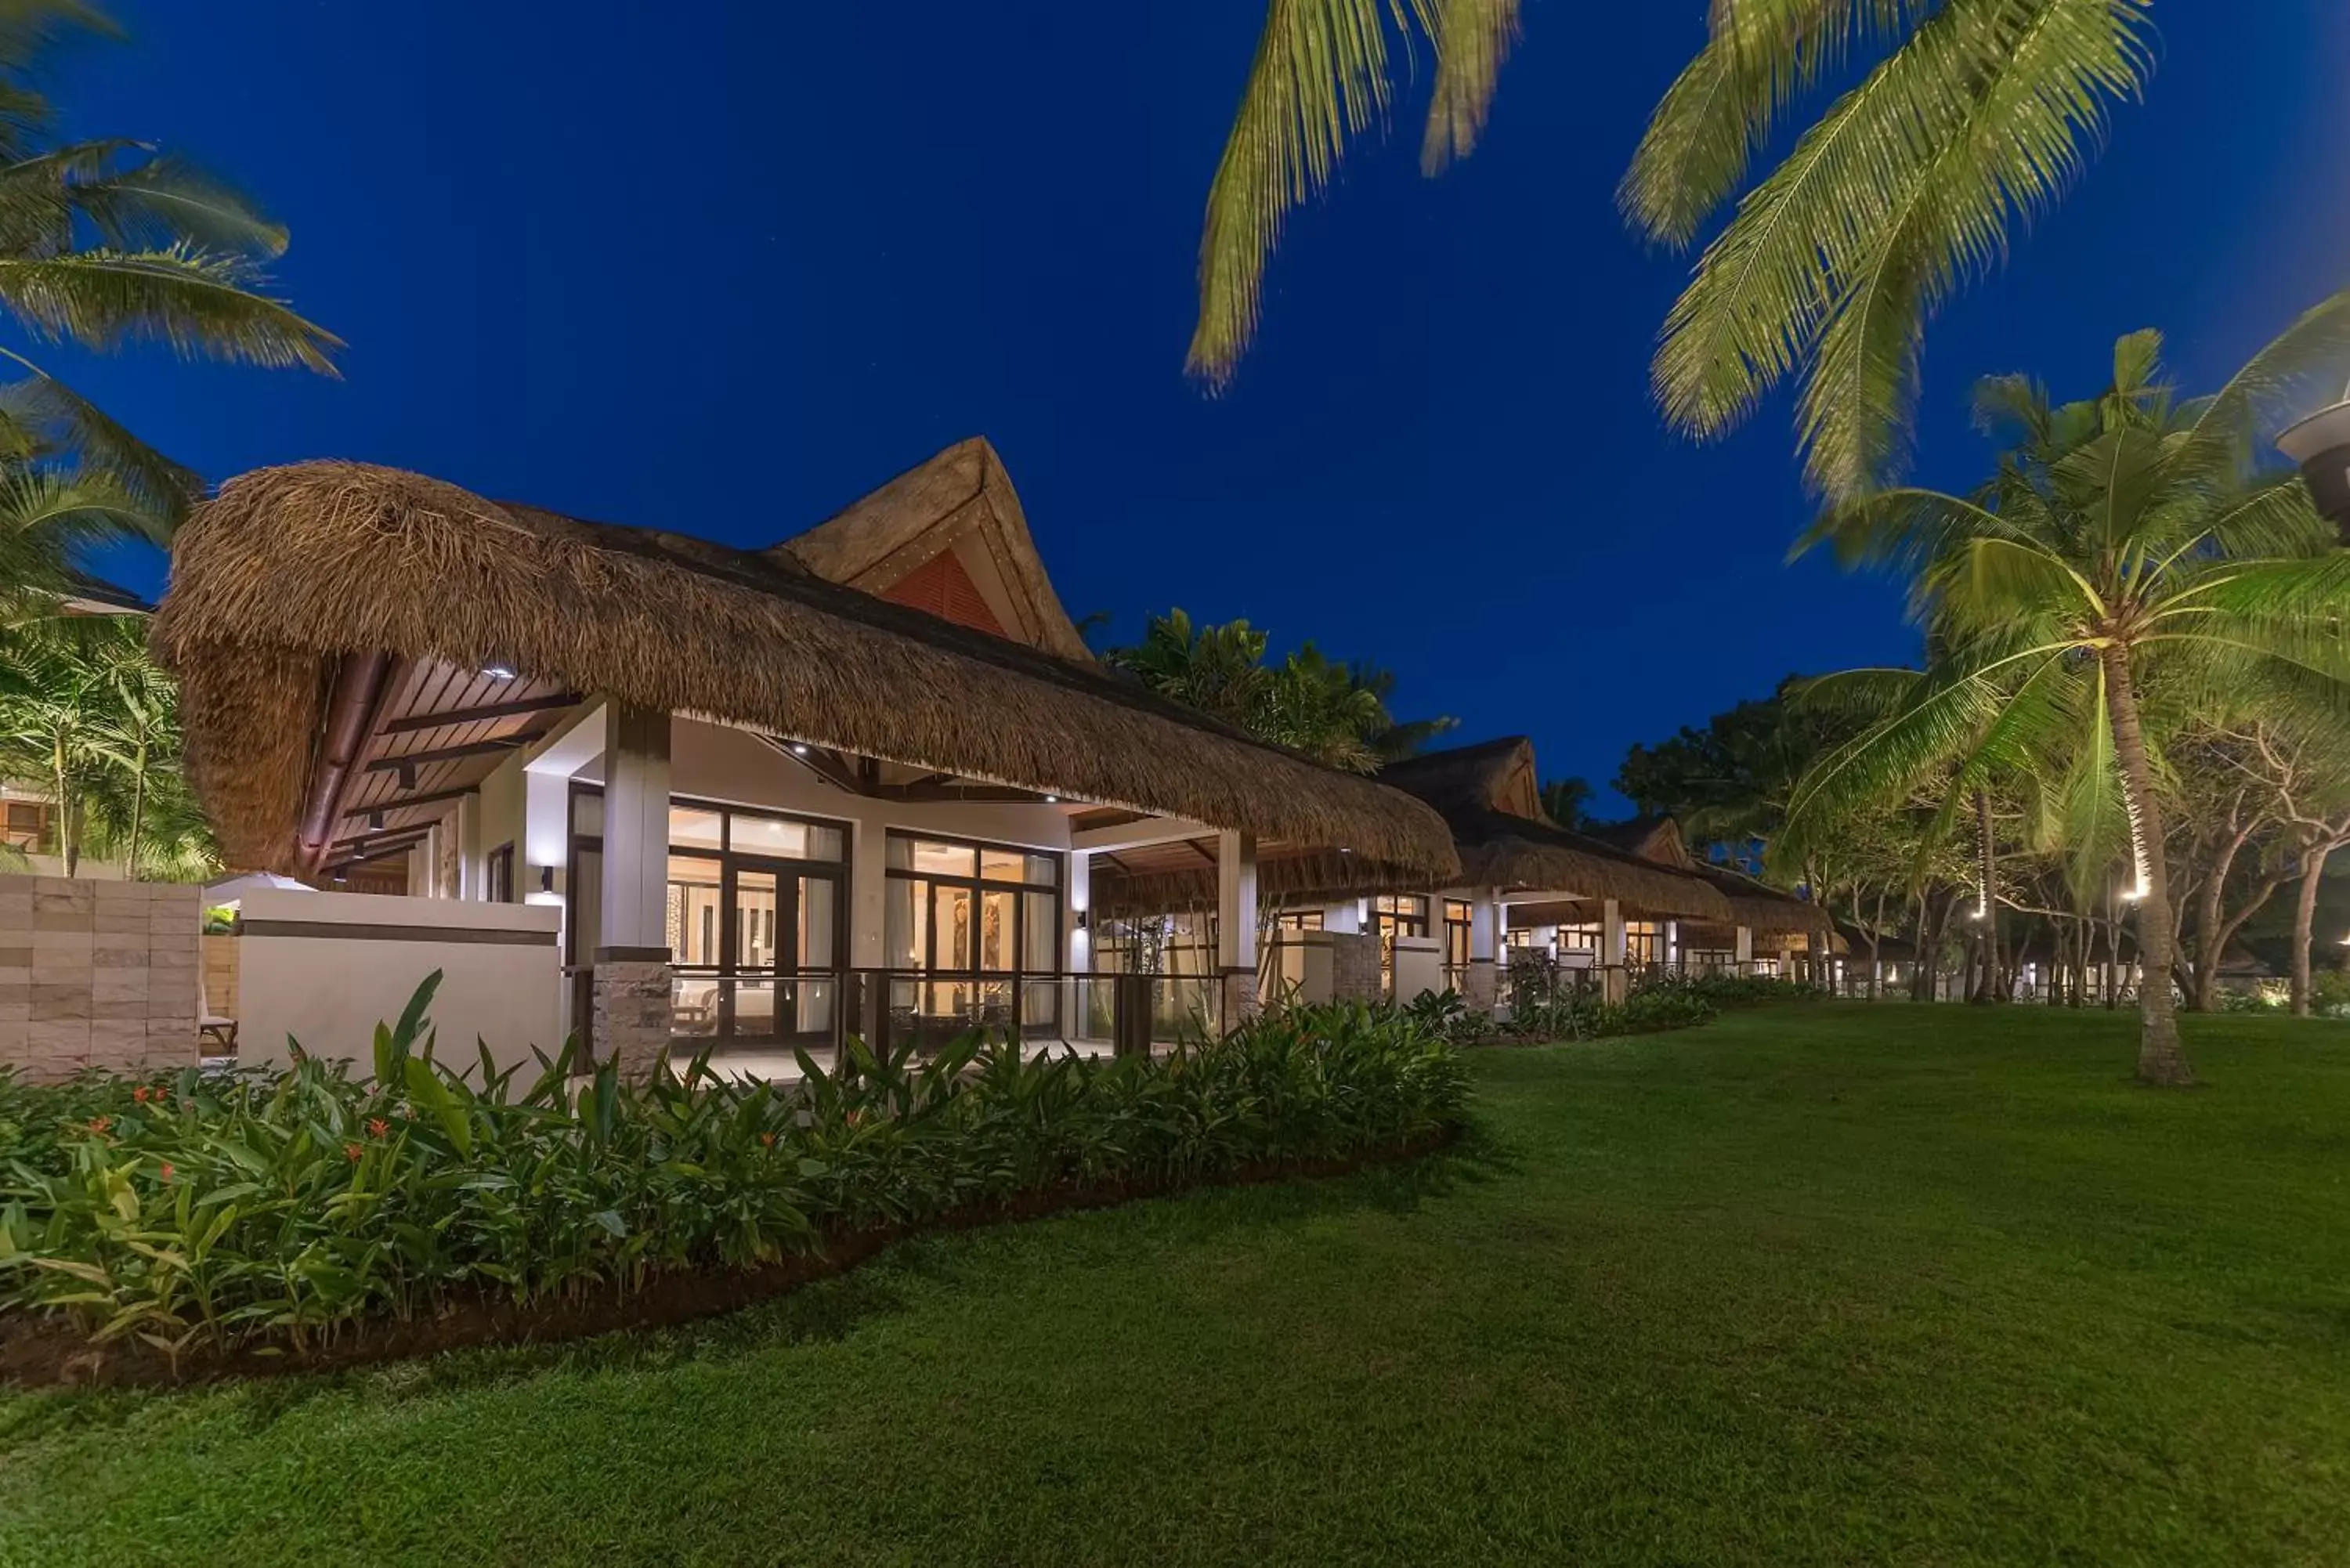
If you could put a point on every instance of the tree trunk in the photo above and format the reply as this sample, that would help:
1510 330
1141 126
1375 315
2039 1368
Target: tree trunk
138 811
2304 919
68 835
1986 987
2160 1060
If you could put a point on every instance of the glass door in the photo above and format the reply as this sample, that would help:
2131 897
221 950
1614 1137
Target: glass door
781 948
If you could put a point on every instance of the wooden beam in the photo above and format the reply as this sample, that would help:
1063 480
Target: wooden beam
377 840
437 797
514 709
452 753
1202 851
354 709
930 793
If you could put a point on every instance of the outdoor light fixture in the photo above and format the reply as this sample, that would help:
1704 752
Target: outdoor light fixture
498 671
2321 445
799 748
1052 800
547 878
408 775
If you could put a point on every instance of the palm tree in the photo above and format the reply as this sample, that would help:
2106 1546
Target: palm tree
1322 77
1335 713
1568 801
2128 559
106 243
1974 115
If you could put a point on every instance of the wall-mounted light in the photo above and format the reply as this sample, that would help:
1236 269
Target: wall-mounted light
1085 922
547 878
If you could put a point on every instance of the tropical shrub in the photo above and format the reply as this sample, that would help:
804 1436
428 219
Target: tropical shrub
216 1212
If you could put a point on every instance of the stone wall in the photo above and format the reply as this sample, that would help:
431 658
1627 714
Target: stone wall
1354 966
97 975
631 1014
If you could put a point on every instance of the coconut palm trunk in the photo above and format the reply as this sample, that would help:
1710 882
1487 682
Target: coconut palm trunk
2160 1060
2304 920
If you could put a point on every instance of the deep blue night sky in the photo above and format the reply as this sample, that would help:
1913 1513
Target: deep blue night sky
724 278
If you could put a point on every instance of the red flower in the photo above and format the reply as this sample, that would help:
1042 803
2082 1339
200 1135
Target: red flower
139 1094
856 1118
768 1139
166 1172
378 1126
353 1152
99 1123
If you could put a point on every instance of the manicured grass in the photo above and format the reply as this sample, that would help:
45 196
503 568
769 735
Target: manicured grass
1838 1283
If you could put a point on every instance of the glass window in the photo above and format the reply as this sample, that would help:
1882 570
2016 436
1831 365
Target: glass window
1044 871
693 911
692 828
903 932
930 855
1305 921
782 838
1001 864
1040 927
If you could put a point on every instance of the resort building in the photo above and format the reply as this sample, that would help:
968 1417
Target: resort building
684 796
1335 924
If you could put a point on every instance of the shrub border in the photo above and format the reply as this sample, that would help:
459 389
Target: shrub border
49 1351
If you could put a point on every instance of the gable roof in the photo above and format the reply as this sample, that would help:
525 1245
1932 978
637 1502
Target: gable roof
289 570
963 496
1479 790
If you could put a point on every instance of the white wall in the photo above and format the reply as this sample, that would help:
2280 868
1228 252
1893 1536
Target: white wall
330 990
1418 966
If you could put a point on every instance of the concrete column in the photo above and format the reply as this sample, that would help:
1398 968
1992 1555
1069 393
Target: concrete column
1614 978
1673 944
1487 919
631 1023
1744 952
1236 915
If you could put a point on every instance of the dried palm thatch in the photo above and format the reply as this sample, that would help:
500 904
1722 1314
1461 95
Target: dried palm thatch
1486 794
1320 877
289 569
1764 909
962 493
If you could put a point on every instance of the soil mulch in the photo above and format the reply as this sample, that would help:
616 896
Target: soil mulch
48 1352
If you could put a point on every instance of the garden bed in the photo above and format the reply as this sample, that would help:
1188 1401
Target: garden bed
311 1218
37 1352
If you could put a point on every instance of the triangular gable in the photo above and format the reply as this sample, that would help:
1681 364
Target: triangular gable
1515 788
943 587
1663 844
958 508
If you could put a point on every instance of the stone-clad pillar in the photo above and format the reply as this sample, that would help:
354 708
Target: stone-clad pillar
1615 980
631 982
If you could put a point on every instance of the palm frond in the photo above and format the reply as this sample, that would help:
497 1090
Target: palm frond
61 420
2305 367
2028 99
1319 77
168 202
200 304
1759 56
1473 38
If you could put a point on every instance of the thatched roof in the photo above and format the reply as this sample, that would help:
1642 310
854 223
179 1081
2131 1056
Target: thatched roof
1765 910
1761 909
961 494
290 569
1484 793
1282 879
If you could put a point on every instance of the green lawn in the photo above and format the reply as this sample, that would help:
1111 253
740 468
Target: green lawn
1830 1284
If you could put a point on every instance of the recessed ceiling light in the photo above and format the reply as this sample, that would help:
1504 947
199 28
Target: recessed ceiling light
498 671
799 748
1052 800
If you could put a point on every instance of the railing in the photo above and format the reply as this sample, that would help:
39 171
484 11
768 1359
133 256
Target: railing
891 1008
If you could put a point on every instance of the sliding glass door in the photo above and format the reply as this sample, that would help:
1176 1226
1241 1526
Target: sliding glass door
967 924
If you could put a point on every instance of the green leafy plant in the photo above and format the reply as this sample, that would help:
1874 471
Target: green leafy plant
285 1207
